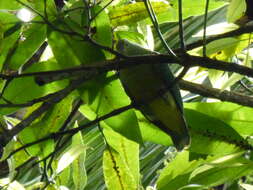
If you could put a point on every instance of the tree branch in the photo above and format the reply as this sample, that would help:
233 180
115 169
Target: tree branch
101 67
216 93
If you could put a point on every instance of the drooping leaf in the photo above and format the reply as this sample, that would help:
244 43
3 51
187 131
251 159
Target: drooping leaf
121 162
236 116
78 166
212 136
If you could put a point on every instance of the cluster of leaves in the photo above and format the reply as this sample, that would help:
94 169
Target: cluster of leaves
65 120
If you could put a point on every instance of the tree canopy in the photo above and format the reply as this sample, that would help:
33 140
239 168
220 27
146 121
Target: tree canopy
66 121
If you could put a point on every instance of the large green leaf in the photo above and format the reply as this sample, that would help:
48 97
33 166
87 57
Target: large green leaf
121 163
221 170
173 177
78 166
204 173
236 10
237 116
104 95
9 36
212 136
152 133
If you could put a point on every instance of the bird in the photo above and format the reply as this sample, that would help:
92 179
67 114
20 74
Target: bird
149 86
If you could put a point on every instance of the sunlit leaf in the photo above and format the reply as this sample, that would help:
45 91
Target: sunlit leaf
132 13
68 157
236 9
78 165
120 162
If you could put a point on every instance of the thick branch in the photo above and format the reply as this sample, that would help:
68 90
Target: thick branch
100 67
216 93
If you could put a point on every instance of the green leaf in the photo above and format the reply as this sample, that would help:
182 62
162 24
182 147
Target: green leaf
237 116
236 9
212 136
101 99
152 133
70 52
194 8
50 122
11 184
10 4
78 166
22 90
226 171
101 23
121 163
69 156
210 172
172 176
33 37
8 44
131 13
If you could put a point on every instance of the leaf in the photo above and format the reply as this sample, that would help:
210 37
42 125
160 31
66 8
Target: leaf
192 8
212 136
69 156
101 23
219 175
210 172
11 184
33 37
236 116
101 99
173 177
236 9
151 133
131 13
246 186
23 90
8 44
50 122
78 165
10 4
121 162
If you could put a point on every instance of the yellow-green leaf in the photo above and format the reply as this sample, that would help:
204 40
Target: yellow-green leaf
132 13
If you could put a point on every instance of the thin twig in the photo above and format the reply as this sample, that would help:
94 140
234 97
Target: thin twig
181 27
74 130
153 18
5 138
205 24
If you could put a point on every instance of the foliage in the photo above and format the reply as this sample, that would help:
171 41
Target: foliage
67 123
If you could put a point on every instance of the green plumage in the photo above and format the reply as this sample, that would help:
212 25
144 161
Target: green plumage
147 86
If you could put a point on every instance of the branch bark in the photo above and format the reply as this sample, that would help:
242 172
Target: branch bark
216 93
